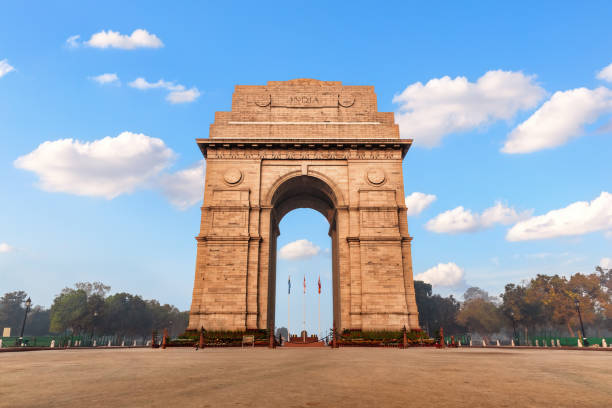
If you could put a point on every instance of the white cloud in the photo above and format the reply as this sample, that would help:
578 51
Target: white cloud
577 218
444 105
5 68
106 167
184 188
4 248
417 202
186 96
113 39
560 119
500 214
178 93
464 220
443 274
299 249
605 74
143 85
73 41
605 263
106 79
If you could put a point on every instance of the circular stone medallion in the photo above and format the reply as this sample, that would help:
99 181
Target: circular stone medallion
346 100
232 176
376 176
263 99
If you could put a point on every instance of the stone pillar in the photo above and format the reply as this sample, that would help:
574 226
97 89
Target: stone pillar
272 343
201 342
165 339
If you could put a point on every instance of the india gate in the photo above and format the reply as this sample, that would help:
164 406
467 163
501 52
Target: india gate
313 144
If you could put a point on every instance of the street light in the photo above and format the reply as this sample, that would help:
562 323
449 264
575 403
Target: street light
93 333
514 326
28 303
577 303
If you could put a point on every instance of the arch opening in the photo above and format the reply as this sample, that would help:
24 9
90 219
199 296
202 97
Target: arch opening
297 193
304 255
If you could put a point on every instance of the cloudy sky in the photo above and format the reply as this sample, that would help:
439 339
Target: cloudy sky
510 109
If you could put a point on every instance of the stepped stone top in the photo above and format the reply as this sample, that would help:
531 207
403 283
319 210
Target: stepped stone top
304 109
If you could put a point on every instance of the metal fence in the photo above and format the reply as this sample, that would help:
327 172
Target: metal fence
75 341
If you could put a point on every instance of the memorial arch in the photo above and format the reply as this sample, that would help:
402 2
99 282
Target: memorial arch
293 144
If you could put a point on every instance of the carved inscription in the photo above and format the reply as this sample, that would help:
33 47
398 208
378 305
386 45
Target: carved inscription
306 100
303 100
381 154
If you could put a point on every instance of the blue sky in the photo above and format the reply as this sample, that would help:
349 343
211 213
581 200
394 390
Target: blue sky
521 126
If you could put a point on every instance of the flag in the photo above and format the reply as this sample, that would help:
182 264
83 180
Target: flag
289 285
304 283
319 284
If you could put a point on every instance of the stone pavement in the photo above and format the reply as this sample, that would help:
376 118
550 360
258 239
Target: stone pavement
307 377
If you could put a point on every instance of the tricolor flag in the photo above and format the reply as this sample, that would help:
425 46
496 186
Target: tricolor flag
304 283
289 285
319 284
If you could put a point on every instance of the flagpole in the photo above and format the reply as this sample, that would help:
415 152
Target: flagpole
289 311
304 305
319 307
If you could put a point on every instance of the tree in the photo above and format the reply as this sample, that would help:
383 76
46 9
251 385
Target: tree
480 316
93 289
282 332
70 311
422 293
477 293
436 311
38 322
126 314
517 309
605 282
11 309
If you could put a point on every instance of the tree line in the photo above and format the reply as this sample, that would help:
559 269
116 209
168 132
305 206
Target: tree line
88 309
543 305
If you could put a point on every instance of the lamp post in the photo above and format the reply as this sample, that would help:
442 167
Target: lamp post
514 326
577 303
93 332
28 303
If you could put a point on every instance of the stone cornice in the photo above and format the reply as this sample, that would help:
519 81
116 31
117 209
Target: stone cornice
343 148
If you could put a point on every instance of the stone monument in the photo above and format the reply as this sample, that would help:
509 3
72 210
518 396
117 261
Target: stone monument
293 144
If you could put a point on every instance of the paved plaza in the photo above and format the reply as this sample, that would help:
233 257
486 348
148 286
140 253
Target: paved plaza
349 377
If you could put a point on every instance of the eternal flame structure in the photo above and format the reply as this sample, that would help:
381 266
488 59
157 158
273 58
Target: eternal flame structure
295 144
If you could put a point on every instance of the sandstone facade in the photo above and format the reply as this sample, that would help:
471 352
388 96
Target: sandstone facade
294 144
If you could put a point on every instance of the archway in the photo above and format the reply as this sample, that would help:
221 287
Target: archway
302 192
314 144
